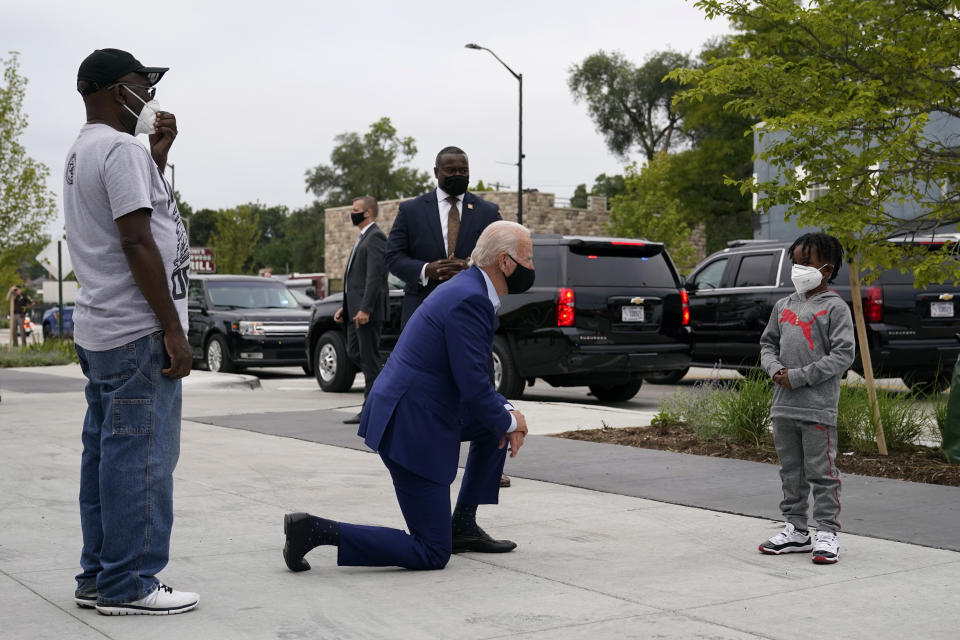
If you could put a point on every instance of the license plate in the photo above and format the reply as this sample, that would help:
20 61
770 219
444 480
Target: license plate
631 314
941 309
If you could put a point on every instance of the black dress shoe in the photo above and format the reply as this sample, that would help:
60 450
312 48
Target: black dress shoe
296 526
481 542
353 420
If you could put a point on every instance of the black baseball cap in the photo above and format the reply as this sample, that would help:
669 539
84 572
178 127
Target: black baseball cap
105 66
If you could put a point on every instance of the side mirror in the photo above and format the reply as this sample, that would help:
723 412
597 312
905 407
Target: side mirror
690 286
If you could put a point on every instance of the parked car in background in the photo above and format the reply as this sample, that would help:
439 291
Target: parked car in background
50 324
241 321
603 313
911 331
313 285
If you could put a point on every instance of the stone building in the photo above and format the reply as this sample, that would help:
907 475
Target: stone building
540 215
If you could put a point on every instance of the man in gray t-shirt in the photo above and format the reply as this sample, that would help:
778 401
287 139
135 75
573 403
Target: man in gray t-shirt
131 256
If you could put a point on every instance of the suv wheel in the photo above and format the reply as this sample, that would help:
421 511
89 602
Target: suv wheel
505 377
333 368
666 377
616 393
217 355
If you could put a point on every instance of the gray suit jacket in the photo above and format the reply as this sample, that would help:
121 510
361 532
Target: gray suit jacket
366 276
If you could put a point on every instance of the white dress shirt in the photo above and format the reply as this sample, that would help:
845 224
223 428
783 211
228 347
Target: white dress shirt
444 206
495 301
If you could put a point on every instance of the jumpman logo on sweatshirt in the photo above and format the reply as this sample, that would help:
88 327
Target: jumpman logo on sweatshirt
807 327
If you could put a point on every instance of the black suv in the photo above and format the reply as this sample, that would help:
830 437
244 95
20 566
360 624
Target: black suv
911 331
602 313
239 321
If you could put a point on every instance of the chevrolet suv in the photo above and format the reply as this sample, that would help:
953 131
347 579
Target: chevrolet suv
603 313
911 331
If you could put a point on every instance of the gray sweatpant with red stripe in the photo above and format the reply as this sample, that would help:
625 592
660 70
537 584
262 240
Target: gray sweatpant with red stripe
808 460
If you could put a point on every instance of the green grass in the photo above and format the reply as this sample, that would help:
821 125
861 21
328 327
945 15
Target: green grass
739 411
51 352
731 410
904 420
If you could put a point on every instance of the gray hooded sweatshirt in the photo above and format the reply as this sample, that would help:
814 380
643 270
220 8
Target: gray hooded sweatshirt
813 340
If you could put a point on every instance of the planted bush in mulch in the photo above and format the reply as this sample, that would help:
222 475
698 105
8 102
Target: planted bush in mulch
916 464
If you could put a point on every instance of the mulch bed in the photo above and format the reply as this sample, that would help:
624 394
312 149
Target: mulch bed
921 464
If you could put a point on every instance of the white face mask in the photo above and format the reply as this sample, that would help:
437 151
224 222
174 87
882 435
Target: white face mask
147 115
806 278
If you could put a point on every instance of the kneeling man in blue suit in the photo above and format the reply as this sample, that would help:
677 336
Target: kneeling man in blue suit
434 393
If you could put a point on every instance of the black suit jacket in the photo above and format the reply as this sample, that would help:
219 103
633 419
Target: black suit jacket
417 238
366 277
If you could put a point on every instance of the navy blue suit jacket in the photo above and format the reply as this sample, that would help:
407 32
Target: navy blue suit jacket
417 238
436 383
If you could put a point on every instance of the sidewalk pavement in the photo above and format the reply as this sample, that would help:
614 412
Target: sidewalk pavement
590 563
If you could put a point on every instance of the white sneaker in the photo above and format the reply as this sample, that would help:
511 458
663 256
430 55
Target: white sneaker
163 601
827 549
790 540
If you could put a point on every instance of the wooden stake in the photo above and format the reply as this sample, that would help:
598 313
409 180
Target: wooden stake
865 355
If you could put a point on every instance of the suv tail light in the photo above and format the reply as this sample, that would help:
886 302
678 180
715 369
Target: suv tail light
685 307
873 304
566 312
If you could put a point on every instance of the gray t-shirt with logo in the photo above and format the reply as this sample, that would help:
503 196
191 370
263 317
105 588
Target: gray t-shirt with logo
108 175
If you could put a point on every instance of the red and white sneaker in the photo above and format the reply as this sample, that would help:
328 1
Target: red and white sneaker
790 540
826 550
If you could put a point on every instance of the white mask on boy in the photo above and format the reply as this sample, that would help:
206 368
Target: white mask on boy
806 278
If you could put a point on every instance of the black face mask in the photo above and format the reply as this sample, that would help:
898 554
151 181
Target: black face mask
455 185
521 279
357 218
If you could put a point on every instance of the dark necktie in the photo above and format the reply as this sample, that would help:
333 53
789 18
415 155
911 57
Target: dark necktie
453 225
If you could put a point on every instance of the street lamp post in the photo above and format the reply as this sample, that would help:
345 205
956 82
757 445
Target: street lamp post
519 77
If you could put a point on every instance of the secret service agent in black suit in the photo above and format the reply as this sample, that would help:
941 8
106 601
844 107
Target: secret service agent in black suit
431 240
365 294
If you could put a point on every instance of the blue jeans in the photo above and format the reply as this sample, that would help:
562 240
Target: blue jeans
131 443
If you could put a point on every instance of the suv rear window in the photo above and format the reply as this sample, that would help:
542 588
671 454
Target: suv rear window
598 270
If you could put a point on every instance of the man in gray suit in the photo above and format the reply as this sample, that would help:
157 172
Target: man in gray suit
365 294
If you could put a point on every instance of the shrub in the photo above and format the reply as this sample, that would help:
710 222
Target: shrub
743 409
904 420
50 352
737 410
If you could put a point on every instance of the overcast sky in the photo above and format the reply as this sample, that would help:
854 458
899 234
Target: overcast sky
260 89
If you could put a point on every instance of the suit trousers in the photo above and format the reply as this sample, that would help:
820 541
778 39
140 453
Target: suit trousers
425 505
363 348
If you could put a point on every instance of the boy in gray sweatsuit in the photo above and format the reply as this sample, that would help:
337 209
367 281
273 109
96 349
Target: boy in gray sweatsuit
807 346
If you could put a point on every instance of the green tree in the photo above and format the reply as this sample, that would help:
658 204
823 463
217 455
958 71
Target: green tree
609 187
850 94
235 239
273 248
372 164
604 185
579 198
647 210
631 106
26 204
305 232
203 223
851 97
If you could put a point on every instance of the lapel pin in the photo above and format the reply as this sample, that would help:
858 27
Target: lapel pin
469 205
